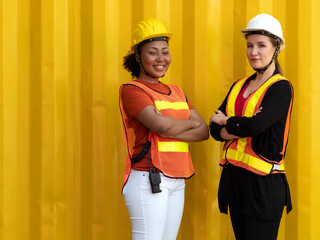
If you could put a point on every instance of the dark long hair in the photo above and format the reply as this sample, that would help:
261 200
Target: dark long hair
131 65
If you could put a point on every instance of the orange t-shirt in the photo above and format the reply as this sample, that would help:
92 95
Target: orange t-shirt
134 99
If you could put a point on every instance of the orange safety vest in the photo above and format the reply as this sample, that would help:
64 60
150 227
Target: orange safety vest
170 156
239 151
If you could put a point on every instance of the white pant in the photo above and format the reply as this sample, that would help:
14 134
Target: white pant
154 216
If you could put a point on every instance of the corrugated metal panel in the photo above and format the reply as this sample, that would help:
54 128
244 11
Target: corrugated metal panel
61 139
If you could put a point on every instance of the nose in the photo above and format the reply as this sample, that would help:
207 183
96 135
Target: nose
254 51
159 57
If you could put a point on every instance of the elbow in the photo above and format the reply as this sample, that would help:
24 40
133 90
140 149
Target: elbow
216 137
215 131
206 135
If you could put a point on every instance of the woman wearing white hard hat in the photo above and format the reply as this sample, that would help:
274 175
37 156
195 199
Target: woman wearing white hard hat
158 121
253 121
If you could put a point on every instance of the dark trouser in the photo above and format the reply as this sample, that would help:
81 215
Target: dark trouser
249 228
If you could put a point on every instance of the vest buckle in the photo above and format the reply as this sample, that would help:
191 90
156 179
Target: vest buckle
276 167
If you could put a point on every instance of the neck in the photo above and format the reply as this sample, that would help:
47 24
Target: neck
266 75
148 79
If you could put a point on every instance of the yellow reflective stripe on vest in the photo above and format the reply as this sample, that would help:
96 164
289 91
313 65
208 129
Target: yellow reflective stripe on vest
254 162
173 147
170 105
233 95
256 95
242 142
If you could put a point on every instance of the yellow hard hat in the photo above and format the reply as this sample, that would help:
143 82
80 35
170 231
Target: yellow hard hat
147 29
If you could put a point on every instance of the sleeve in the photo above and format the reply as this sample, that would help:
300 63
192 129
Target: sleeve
134 99
189 104
216 128
275 105
187 100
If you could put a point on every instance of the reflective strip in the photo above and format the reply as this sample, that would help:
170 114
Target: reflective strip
170 105
254 162
242 142
250 109
173 147
233 96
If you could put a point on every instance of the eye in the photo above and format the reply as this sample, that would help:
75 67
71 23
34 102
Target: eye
261 45
165 52
152 53
249 46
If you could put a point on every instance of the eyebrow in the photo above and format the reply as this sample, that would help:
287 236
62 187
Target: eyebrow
257 42
157 48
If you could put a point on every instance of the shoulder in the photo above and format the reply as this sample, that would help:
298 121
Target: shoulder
134 94
282 85
134 99
174 87
280 90
178 90
132 88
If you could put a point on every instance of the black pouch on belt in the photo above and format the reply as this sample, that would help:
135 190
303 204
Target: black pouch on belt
155 181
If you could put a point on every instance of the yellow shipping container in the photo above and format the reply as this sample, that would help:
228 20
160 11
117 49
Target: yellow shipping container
62 150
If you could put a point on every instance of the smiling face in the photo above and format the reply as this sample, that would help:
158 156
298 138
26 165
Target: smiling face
155 58
260 50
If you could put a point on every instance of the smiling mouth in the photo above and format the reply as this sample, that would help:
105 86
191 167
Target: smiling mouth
158 67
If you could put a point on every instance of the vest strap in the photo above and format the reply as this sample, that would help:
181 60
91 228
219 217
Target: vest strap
253 162
143 152
277 167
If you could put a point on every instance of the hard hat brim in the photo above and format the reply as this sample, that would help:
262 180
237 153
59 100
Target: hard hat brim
167 34
244 31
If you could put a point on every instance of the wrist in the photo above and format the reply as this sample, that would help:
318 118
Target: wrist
226 120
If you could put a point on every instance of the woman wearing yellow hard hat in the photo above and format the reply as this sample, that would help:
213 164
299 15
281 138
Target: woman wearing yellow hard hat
253 121
158 121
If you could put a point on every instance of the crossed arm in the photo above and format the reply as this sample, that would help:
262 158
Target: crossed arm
221 119
191 130
275 105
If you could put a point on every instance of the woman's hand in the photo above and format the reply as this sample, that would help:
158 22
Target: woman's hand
218 118
158 112
227 136
258 111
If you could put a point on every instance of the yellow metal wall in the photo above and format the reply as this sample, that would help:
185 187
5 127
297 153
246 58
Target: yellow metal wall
62 150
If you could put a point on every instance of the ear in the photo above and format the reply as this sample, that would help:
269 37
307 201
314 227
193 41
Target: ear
137 57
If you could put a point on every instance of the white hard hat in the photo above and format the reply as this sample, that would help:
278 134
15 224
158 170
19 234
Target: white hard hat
267 23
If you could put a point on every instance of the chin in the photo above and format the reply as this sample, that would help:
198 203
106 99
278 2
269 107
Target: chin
256 66
157 75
